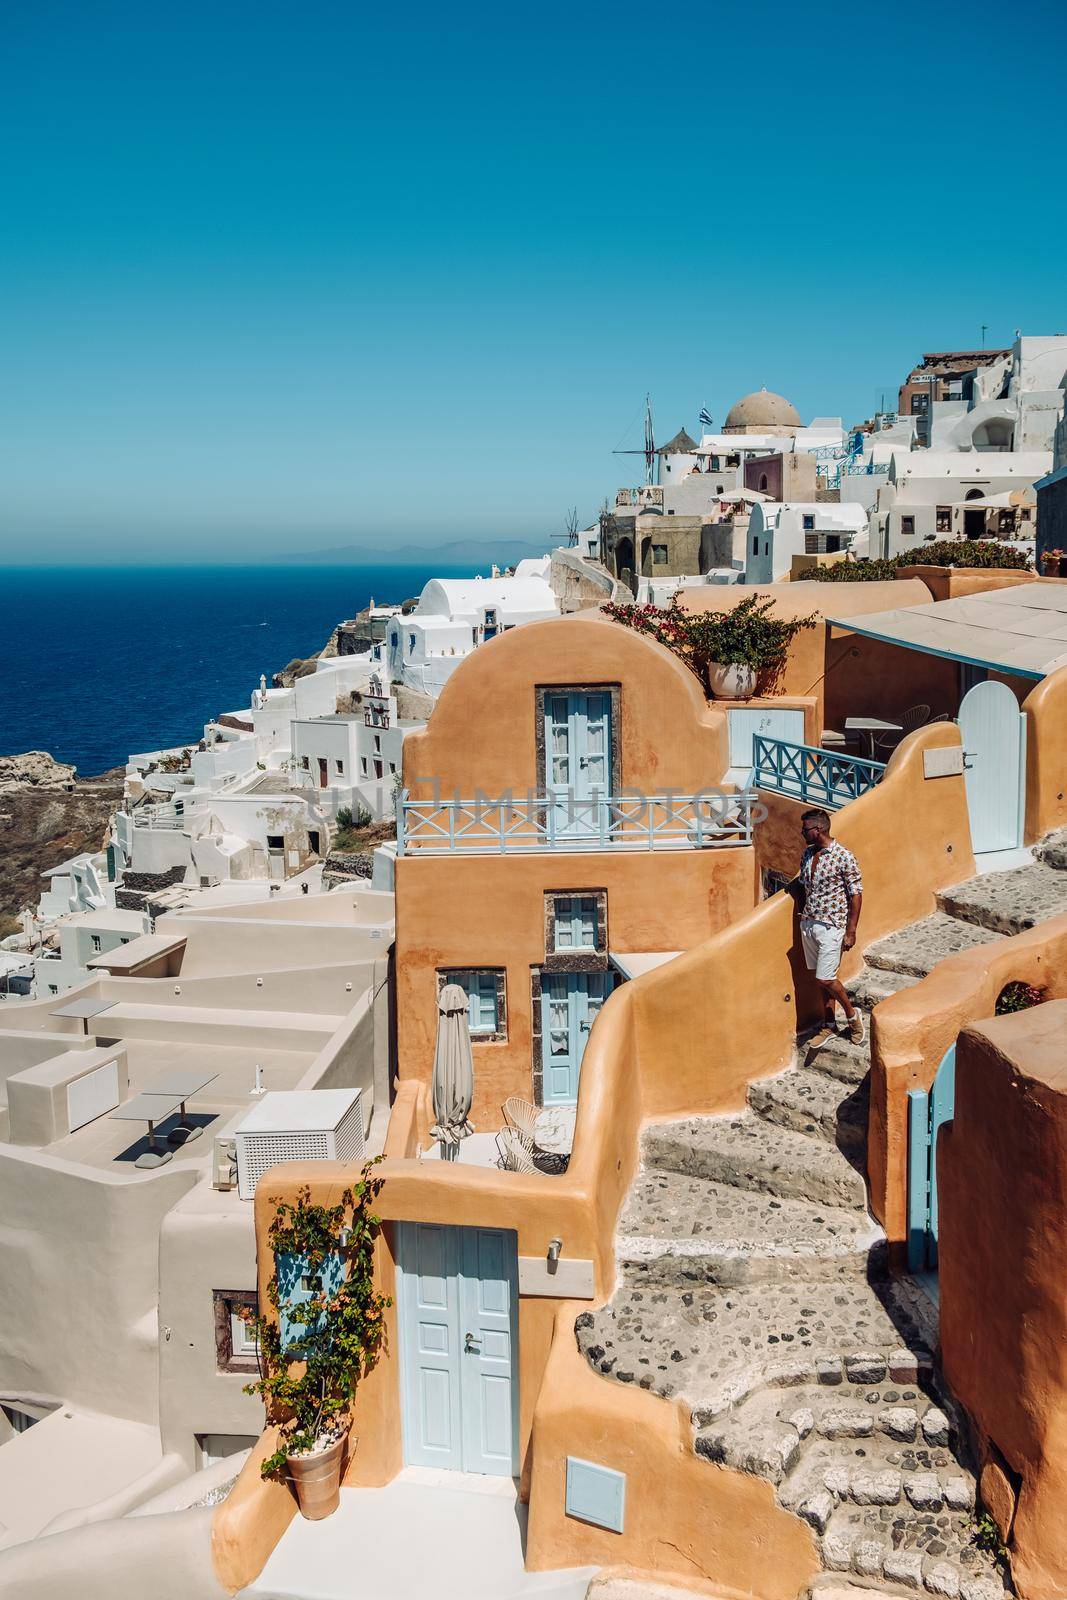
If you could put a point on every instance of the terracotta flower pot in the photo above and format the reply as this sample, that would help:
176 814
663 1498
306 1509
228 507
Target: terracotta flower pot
732 682
317 1480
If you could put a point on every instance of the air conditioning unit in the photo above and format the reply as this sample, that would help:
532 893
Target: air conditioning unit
298 1125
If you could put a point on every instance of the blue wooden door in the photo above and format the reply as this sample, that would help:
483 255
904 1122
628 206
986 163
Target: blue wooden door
993 731
772 722
927 1112
457 1291
578 763
570 1003
488 1386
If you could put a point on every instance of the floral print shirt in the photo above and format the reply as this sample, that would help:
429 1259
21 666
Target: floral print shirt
830 877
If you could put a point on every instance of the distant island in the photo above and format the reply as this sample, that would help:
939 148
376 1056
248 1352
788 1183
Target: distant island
477 552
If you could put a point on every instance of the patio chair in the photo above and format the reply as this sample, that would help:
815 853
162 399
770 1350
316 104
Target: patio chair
516 1152
914 717
521 1114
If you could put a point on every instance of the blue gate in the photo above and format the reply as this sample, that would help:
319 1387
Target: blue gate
926 1113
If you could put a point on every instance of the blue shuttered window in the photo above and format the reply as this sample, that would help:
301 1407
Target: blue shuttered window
576 922
481 991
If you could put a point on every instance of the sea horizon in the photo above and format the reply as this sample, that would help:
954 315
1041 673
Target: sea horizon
101 661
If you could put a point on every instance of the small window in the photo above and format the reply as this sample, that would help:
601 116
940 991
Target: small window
305 762
809 522
341 768
363 767
907 527
275 841
377 769
53 988
755 544
944 519
94 940
235 1345
484 989
392 768
659 555
576 922
411 644
377 744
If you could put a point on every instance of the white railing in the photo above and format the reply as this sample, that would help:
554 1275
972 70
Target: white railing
157 817
508 825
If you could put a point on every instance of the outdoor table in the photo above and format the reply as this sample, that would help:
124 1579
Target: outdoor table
554 1130
150 1108
185 1084
869 726
88 1006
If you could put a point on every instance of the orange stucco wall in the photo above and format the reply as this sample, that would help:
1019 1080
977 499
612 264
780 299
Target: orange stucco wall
483 732
844 673
1002 1193
489 911
912 1030
1045 709
952 583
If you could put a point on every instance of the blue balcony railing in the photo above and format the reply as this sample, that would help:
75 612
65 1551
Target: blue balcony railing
803 771
562 822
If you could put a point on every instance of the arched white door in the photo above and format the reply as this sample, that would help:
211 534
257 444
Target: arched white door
993 730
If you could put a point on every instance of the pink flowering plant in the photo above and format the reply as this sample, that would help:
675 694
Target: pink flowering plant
747 635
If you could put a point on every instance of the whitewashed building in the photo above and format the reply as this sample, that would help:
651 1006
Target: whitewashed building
780 530
926 495
455 616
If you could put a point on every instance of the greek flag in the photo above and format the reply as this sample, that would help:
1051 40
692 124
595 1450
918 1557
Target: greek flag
705 418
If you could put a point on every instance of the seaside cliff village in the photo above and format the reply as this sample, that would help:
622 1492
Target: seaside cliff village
563 1092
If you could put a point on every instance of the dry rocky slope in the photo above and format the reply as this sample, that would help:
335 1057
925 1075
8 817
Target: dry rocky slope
47 815
753 1287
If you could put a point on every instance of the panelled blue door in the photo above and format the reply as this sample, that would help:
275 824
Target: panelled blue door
457 1291
993 731
926 1114
578 762
570 1002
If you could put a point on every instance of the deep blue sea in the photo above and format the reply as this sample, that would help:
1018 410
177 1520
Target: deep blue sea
99 662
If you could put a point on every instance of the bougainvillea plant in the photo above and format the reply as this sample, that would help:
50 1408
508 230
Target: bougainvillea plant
309 1384
1018 996
748 635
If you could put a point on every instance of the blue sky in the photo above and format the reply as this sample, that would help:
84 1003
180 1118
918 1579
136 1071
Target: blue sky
277 277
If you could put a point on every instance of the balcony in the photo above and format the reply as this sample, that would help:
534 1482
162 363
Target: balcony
805 772
564 823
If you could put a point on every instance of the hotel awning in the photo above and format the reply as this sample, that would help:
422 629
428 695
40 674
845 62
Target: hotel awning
1021 629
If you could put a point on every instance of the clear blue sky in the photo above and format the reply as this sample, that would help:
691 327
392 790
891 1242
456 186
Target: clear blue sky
291 275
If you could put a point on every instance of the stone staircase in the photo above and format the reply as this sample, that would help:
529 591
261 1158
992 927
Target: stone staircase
754 1289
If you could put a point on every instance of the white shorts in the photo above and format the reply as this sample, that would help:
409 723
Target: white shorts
822 948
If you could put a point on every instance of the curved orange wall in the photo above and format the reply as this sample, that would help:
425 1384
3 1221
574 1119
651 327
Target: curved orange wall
1045 709
912 1030
483 732
1002 1192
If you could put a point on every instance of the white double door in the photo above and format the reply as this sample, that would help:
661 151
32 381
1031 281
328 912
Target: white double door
457 1293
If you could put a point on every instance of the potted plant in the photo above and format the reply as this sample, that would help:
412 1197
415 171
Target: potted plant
739 647
325 1335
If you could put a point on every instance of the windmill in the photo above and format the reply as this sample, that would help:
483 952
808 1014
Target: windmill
649 451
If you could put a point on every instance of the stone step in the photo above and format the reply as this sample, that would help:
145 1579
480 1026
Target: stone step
710 1347
871 1475
898 1428
810 1102
1008 902
749 1152
841 1059
931 1551
871 985
916 949
677 1229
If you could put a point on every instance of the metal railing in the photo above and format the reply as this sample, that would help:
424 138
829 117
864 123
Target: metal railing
538 822
805 772
157 817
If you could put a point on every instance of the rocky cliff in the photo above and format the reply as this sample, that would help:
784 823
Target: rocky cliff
46 815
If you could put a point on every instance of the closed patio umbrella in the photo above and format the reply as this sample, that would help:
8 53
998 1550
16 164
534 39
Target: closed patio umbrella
452 1088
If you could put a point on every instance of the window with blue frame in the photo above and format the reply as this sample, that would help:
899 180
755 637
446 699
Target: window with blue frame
576 918
484 988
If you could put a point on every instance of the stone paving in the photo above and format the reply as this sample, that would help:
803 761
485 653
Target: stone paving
754 1290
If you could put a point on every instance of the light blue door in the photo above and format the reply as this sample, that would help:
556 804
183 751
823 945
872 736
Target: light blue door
457 1291
770 722
570 1002
993 731
926 1114
578 763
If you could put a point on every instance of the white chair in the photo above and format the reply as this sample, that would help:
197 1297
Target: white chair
515 1150
521 1114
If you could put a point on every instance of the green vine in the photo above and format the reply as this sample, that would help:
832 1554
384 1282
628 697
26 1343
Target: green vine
309 1387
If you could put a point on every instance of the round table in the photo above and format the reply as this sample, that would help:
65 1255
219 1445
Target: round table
554 1130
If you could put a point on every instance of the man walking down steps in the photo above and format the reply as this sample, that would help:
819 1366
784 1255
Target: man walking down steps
829 894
